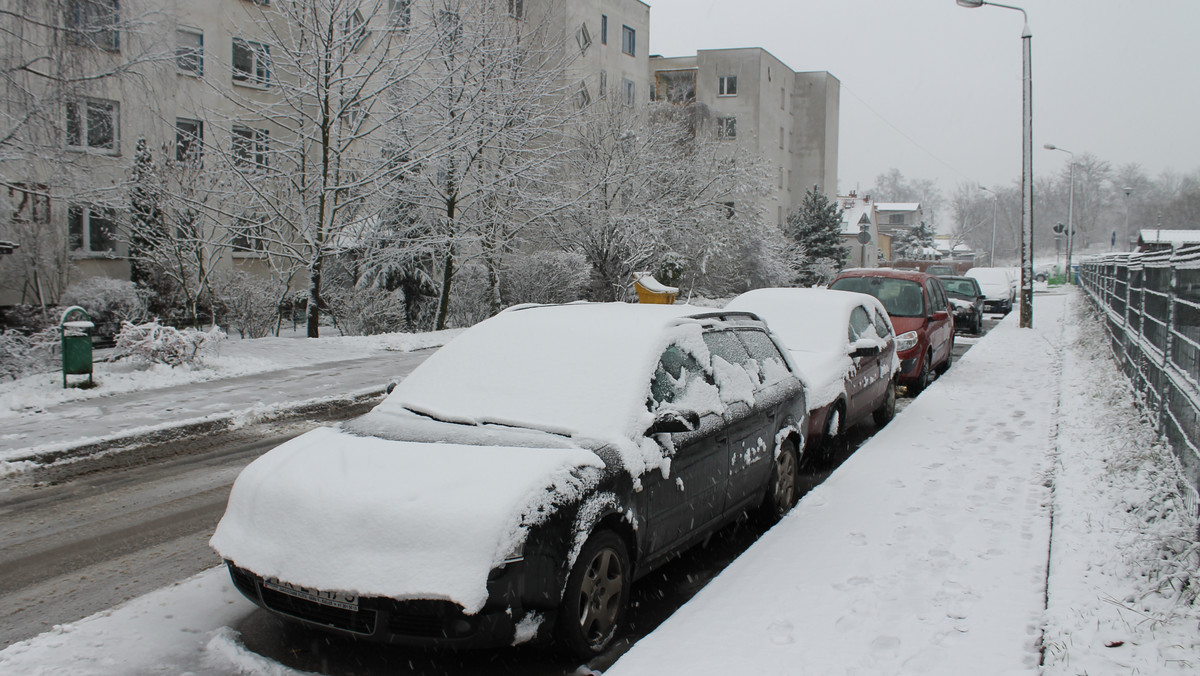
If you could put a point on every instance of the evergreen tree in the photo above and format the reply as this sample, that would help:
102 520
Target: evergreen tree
911 243
146 222
817 229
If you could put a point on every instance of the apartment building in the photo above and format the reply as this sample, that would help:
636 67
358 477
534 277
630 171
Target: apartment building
788 118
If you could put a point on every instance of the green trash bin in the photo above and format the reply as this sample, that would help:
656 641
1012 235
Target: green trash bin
76 332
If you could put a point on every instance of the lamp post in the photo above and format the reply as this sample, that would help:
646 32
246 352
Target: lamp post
1026 164
1128 237
1070 206
992 251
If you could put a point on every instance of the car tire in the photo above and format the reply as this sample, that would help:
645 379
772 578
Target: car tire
923 377
781 490
835 441
596 596
887 410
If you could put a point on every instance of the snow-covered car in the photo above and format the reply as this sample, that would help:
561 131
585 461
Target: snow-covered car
516 483
967 299
920 312
999 292
843 345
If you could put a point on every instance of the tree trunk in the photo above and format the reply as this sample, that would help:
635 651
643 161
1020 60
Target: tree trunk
444 299
313 313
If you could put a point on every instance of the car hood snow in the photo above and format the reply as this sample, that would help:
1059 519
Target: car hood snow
339 512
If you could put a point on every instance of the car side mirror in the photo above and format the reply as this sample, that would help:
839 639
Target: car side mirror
673 421
939 316
864 348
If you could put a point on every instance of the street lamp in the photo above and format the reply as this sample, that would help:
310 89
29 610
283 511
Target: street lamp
1070 205
1026 165
1128 236
992 251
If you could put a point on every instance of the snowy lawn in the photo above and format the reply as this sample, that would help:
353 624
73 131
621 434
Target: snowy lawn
925 553
234 357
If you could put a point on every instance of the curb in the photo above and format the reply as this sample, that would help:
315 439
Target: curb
173 439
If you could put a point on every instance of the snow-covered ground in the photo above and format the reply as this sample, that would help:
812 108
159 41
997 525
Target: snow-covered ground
233 357
930 551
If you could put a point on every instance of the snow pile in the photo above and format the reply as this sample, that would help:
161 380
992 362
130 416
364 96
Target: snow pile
1125 559
235 358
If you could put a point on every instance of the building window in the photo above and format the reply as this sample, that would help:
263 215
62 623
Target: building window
627 92
604 29
783 99
584 38
730 210
356 30
249 234
781 178
94 23
727 127
781 138
584 98
189 51
516 9
779 215
400 13
189 139
251 62
30 203
603 84
628 41
675 86
727 85
92 229
93 123
896 219
250 148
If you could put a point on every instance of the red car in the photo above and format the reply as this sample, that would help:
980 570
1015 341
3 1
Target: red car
921 314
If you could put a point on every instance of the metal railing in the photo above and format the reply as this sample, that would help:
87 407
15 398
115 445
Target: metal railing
1150 306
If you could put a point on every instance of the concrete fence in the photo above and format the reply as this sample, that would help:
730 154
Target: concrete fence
1150 306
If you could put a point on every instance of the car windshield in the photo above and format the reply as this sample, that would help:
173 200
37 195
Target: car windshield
900 297
960 287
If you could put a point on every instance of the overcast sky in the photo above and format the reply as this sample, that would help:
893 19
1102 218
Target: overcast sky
934 89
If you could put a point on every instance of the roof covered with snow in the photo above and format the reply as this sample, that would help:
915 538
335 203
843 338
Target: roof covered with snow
1172 237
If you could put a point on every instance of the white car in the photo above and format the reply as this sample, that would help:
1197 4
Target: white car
844 345
999 291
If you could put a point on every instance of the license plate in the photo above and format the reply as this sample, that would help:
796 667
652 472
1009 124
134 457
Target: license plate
332 599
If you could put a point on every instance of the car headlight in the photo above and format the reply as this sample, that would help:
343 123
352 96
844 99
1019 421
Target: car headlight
906 341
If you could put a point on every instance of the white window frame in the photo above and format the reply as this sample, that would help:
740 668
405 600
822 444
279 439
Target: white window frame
400 13
189 146
583 97
94 23
250 148
727 85
583 37
78 114
356 29
80 237
727 127
248 236
189 58
259 72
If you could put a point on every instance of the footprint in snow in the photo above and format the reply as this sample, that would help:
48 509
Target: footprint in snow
781 632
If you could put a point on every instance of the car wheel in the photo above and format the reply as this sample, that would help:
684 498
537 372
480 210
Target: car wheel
887 410
923 377
781 491
835 441
596 596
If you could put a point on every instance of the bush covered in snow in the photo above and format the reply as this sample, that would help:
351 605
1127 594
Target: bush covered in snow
547 277
22 354
249 303
157 344
108 301
365 312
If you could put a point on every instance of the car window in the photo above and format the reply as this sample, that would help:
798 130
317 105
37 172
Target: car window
900 297
937 299
860 324
965 287
882 327
772 367
725 345
676 372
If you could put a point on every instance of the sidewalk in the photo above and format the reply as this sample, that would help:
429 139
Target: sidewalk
76 428
929 550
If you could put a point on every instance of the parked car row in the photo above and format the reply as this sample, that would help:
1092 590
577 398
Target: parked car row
515 485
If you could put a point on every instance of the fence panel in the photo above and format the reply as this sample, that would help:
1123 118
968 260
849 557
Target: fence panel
1150 309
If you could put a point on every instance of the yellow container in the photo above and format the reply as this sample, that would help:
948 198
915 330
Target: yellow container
650 290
